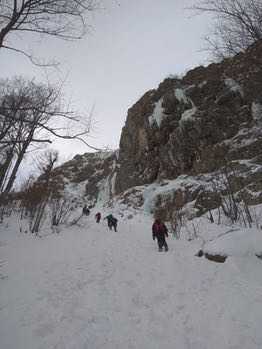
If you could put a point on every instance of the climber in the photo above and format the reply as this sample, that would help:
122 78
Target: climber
111 222
86 211
98 217
159 231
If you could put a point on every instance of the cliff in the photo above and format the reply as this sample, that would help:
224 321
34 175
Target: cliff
195 124
179 138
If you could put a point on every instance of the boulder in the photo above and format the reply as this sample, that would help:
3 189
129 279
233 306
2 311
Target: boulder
215 258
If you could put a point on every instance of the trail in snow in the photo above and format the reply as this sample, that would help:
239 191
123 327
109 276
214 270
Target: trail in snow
90 288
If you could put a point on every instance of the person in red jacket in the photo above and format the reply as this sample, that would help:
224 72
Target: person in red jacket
98 217
159 231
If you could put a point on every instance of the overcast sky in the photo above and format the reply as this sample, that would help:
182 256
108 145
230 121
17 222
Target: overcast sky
132 46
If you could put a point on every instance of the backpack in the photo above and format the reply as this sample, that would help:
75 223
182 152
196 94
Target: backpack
160 229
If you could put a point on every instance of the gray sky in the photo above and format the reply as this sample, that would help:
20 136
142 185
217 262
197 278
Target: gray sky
132 46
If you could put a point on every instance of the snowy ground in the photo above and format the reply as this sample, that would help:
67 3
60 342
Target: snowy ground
90 288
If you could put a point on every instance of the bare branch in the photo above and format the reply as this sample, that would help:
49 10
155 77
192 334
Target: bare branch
31 58
62 19
237 24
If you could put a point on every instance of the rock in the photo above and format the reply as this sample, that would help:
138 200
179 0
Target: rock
90 172
195 124
216 258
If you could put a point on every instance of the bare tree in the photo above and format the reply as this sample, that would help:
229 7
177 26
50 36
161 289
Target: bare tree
64 19
42 188
230 188
60 209
237 24
34 114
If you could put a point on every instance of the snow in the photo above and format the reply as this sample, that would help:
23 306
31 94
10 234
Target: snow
241 242
181 96
188 115
89 287
173 76
256 109
202 84
234 86
168 188
244 137
113 183
101 155
75 190
104 192
117 154
158 114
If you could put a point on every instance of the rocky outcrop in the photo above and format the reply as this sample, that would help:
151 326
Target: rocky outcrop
86 176
197 124
180 141
216 258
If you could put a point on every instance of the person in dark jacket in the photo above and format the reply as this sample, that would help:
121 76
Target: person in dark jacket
86 211
160 232
111 222
98 217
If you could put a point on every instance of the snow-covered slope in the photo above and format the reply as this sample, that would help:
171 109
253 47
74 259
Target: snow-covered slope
90 288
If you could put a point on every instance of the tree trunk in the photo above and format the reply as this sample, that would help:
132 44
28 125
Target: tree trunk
18 161
5 167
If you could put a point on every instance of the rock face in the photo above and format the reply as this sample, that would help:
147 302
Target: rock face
86 176
180 141
197 124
